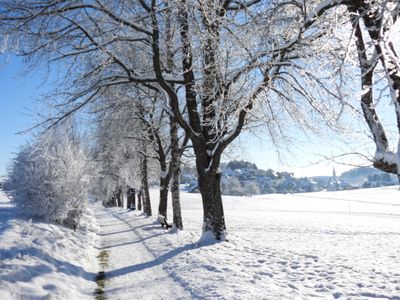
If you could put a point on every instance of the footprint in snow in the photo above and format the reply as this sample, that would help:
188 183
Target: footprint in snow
337 295
261 261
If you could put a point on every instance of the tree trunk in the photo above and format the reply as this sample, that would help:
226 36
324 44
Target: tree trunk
145 186
129 202
176 200
140 199
176 174
146 201
124 198
387 55
385 166
367 67
118 195
131 198
162 207
213 211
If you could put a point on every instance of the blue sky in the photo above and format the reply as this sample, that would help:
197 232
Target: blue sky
17 95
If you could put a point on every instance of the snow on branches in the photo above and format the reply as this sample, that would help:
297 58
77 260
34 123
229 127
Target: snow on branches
50 177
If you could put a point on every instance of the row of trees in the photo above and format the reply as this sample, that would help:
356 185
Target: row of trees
159 75
134 138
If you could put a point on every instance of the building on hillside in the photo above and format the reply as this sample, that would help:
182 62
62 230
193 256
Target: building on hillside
333 183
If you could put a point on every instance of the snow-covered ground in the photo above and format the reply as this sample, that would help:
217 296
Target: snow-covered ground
342 245
39 260
324 245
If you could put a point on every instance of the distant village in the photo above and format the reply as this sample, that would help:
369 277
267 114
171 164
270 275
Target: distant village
243 178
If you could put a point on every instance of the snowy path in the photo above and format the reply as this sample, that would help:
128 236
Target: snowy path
132 272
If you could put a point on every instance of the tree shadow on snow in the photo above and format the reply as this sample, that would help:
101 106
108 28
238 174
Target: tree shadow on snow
114 232
109 224
105 247
156 225
139 226
150 264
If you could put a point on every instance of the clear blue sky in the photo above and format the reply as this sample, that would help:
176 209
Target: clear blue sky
17 95
307 157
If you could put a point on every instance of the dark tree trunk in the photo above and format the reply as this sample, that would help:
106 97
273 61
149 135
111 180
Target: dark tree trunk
164 182
176 202
131 198
140 199
112 202
213 210
165 174
385 166
118 195
165 178
145 186
146 201
129 202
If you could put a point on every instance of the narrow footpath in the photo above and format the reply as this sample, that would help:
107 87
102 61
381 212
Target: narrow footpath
130 270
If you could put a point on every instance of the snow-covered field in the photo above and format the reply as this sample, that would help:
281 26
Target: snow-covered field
324 245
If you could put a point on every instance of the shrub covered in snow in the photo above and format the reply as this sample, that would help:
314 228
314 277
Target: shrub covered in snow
232 186
50 177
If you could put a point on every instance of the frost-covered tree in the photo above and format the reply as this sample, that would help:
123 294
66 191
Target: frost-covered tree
252 189
50 177
376 55
228 63
232 186
373 23
168 146
119 157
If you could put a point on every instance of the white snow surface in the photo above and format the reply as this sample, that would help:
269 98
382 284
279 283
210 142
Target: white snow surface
326 245
41 260
133 272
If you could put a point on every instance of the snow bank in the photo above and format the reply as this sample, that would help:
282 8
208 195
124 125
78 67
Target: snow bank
40 260
322 245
